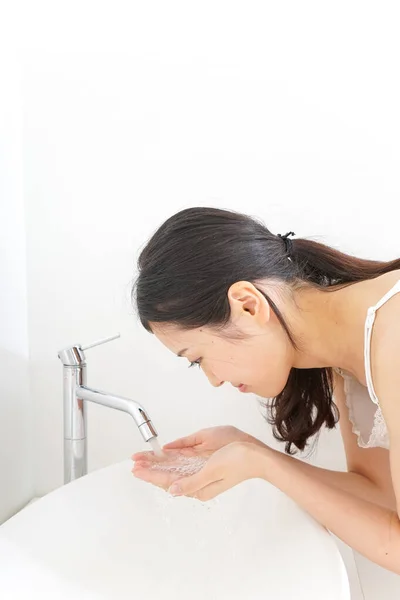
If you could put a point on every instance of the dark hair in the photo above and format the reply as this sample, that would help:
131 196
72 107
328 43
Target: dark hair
188 265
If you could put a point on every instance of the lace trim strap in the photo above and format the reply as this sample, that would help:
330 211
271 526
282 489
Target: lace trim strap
369 321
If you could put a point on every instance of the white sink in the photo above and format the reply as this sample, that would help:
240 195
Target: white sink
111 535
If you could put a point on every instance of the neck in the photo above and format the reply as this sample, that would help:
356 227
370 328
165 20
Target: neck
330 327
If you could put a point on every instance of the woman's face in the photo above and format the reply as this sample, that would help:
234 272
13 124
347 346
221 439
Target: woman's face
261 358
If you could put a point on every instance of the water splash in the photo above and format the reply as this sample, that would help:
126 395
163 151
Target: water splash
184 465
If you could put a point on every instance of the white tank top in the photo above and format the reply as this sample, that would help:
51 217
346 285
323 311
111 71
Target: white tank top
365 412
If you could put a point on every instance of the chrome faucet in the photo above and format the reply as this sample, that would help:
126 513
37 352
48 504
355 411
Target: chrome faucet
75 394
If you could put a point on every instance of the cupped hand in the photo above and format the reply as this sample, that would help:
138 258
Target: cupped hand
224 469
227 467
159 470
204 442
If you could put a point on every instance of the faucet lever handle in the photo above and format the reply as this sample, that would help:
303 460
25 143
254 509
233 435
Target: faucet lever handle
103 341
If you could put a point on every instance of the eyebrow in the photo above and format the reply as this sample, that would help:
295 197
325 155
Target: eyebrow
182 352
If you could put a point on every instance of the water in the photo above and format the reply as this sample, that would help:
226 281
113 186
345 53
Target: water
196 509
184 465
156 447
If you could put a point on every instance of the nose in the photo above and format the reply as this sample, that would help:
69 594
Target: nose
215 382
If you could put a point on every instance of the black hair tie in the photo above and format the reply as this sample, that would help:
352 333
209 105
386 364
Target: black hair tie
288 242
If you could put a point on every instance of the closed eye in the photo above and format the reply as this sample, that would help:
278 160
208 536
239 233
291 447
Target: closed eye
195 362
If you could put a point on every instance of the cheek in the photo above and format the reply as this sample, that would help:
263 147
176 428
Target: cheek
248 368
273 376
232 368
268 368
256 367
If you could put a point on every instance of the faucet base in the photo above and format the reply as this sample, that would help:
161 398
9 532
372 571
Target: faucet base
75 459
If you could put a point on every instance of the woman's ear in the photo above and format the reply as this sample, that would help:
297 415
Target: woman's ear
246 300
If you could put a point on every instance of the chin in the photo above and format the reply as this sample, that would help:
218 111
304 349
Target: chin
268 394
262 395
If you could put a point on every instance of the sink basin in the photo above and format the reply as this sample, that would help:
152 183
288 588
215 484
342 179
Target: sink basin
111 535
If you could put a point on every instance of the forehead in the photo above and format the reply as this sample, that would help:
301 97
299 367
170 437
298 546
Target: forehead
176 338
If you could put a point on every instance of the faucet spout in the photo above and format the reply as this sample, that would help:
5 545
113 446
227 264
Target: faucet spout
75 394
127 405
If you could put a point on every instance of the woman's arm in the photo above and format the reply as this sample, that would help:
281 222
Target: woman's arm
368 475
372 530
357 484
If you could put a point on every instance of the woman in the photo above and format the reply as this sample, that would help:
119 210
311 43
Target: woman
296 322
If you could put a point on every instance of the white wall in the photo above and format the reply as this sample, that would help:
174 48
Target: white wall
16 456
133 114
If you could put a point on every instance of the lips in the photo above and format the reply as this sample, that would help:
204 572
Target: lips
241 387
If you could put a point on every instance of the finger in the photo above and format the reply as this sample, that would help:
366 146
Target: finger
189 451
212 490
150 456
192 484
179 444
163 479
191 440
142 455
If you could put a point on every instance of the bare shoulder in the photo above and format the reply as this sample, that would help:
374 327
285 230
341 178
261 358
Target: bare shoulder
385 343
388 312
369 292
